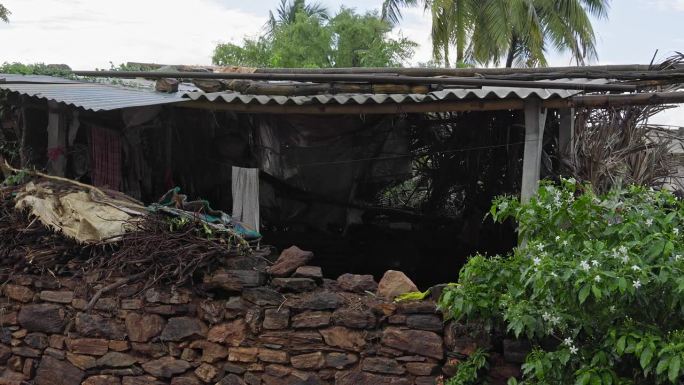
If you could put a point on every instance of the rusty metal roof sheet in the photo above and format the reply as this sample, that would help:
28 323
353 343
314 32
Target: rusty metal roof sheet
93 96
348 99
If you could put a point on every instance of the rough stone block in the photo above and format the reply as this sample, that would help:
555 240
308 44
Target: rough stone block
52 371
275 319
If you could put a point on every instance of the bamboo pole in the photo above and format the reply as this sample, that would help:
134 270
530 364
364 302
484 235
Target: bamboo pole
363 78
434 71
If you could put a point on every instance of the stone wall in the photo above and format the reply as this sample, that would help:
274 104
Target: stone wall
240 326
246 327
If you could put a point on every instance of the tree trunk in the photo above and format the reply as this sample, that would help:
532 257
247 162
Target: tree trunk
511 52
460 32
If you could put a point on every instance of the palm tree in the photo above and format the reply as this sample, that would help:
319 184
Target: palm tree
487 31
4 13
287 12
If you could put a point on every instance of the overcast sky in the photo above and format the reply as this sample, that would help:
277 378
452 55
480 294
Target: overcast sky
88 34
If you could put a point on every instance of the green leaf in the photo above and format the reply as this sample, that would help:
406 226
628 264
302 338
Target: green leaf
673 371
656 248
607 378
646 357
595 379
620 346
584 293
622 284
662 365
583 379
596 291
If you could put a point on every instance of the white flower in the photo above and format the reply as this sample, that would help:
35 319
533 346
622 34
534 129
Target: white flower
540 247
573 350
636 268
625 258
675 231
555 320
649 222
677 257
546 316
557 238
636 284
568 341
585 265
565 242
536 261
553 274
622 250
595 262
612 308
597 278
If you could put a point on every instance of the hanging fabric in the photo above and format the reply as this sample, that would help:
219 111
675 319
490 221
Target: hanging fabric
105 155
245 183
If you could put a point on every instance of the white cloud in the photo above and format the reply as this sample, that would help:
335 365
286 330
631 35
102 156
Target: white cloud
676 5
89 34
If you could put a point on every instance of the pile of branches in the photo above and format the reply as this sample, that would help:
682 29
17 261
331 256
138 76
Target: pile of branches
26 246
155 250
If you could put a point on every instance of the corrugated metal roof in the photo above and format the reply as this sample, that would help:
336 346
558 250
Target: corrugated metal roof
93 97
443 95
31 79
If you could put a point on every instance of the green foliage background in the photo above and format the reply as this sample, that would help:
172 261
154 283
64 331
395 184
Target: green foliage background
310 41
598 286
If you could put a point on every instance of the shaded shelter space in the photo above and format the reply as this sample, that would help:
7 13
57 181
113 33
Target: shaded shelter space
365 193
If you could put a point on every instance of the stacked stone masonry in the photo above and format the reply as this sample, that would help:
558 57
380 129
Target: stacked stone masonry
247 327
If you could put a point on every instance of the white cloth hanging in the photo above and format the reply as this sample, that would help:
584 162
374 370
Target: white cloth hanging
245 185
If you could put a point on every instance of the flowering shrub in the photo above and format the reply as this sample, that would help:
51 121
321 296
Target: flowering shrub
597 287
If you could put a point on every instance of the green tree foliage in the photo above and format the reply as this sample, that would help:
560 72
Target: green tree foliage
346 40
35 69
4 13
287 13
518 32
597 288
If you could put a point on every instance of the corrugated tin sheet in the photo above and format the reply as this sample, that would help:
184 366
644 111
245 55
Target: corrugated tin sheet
39 79
443 95
93 97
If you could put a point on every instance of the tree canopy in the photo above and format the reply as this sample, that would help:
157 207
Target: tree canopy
4 13
517 32
312 39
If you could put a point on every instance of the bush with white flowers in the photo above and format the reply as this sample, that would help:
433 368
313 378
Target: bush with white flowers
597 286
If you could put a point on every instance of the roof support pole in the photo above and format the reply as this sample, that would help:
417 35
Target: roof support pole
56 135
535 120
566 133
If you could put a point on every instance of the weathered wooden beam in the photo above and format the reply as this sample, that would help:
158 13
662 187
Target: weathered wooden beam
566 132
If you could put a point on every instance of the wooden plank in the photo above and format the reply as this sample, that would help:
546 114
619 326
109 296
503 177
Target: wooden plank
566 132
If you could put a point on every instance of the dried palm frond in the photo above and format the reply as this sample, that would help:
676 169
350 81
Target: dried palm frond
617 147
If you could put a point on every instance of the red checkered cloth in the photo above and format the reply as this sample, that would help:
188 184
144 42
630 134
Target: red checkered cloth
105 156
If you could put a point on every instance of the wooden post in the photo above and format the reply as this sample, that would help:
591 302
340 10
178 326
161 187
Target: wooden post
535 120
57 137
566 133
